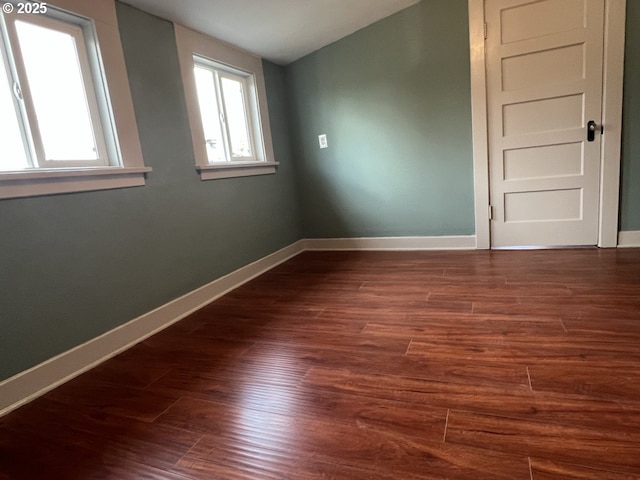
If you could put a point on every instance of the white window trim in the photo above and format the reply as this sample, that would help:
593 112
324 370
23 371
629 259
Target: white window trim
248 86
45 181
192 43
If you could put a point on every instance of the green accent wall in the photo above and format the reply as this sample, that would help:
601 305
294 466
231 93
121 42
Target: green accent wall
630 182
394 100
77 265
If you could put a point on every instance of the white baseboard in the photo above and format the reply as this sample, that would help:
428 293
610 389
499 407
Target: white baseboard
30 384
458 242
629 239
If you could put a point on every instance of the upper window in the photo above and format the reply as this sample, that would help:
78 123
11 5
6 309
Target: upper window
56 108
59 127
227 108
223 98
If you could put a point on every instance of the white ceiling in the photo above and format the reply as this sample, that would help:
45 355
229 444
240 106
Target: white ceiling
279 30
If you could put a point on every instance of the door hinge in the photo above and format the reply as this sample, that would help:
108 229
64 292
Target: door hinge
490 212
484 27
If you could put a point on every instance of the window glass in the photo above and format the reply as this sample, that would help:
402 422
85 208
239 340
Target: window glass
225 115
58 91
235 108
210 114
12 152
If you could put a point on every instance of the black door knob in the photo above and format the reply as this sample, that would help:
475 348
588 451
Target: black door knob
591 131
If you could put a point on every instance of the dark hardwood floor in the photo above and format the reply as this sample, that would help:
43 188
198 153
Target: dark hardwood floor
373 365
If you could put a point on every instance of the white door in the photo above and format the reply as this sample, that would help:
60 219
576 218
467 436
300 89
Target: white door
544 87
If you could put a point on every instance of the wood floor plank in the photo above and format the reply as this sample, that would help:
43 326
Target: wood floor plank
599 323
571 410
565 311
297 330
462 325
549 470
449 370
363 343
577 445
530 349
45 431
302 469
347 299
132 403
261 444
594 380
205 382
206 416
117 372
585 300
59 462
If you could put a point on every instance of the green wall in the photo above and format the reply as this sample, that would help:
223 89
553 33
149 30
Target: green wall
394 100
74 266
630 191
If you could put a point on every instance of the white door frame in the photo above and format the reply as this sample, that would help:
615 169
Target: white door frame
613 65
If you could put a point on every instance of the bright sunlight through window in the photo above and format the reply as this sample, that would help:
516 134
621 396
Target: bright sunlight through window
222 98
58 92
12 151
50 112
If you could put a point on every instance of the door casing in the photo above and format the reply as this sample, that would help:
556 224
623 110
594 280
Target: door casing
613 67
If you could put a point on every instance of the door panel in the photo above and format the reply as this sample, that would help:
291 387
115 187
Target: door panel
544 83
525 20
549 67
543 205
544 115
543 162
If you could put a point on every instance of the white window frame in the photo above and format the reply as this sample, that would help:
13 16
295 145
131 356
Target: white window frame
36 153
120 162
247 80
193 45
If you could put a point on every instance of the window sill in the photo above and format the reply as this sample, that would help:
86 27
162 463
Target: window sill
235 169
29 183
